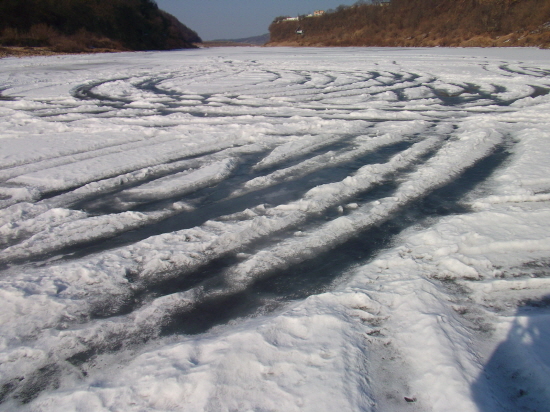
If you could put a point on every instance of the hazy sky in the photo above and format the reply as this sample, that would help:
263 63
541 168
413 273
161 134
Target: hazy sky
234 19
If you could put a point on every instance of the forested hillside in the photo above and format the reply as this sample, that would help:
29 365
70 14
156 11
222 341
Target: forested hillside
81 25
429 23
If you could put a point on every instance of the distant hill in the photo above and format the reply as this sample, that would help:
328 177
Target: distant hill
247 41
84 25
426 23
257 40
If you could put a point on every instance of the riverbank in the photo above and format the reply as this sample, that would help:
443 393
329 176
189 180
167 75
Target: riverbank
44 51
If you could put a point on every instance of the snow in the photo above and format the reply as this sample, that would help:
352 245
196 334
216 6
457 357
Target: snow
275 229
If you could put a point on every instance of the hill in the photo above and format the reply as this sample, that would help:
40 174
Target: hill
422 23
255 40
84 25
247 41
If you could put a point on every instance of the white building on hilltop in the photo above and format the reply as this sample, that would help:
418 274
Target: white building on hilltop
316 13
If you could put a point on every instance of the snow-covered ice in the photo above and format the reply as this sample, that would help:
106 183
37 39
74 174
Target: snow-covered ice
276 230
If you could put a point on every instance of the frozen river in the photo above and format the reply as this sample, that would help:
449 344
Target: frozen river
255 229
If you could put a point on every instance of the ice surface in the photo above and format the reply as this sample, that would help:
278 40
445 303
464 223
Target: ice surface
276 229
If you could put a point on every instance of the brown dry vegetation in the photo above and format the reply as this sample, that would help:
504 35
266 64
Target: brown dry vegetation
42 39
424 23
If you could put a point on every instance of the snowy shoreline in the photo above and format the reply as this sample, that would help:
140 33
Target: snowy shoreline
276 229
